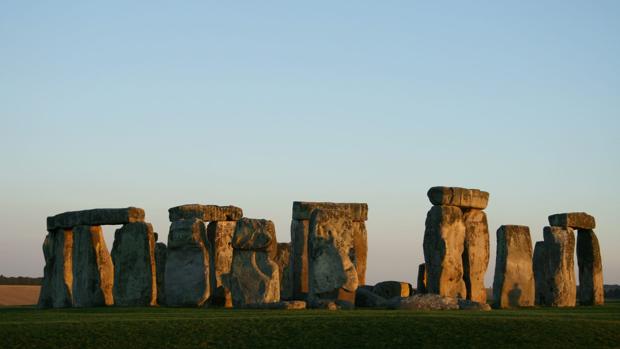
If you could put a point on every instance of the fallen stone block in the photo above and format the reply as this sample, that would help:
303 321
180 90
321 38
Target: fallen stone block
423 302
467 304
391 289
365 298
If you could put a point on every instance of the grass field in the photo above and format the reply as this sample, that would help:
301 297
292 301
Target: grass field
586 327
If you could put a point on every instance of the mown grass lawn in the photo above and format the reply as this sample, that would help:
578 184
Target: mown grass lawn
105 328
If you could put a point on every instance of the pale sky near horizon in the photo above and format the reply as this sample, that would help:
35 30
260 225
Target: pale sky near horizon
257 104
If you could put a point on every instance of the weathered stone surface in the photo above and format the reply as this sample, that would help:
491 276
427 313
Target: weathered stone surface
220 237
467 304
282 305
283 260
444 239
299 260
365 298
330 242
187 264
590 268
513 284
540 274
460 197
160 262
357 212
98 216
253 279
423 302
133 255
391 289
255 235
93 271
206 213
575 220
476 254
57 285
360 250
421 278
560 266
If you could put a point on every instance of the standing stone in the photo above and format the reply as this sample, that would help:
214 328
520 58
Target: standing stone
283 260
254 277
332 274
160 262
421 278
220 235
540 273
57 285
187 264
560 266
513 284
444 239
299 259
133 254
590 268
93 271
476 254
360 250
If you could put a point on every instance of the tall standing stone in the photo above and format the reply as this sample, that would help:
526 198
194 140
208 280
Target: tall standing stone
476 254
360 250
421 278
133 254
540 274
57 285
513 284
590 268
187 264
220 235
283 260
93 271
299 246
444 239
160 262
560 266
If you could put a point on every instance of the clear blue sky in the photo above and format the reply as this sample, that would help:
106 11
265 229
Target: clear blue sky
257 104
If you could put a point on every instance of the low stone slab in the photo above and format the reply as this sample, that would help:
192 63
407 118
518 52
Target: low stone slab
560 266
460 197
357 212
575 220
206 213
255 235
365 298
391 289
424 302
98 216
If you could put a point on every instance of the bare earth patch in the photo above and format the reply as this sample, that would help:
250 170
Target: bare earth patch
19 295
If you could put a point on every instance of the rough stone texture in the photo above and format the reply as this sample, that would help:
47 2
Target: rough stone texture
467 304
360 250
590 268
423 302
253 279
540 274
57 285
421 278
93 271
133 254
206 213
187 264
220 237
160 262
391 289
365 298
283 260
575 220
330 242
98 216
282 305
299 259
460 197
560 266
513 283
444 239
255 235
476 254
357 212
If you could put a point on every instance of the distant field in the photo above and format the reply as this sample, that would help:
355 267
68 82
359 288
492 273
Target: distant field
19 295
586 327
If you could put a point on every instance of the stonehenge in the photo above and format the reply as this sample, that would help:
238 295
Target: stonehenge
216 257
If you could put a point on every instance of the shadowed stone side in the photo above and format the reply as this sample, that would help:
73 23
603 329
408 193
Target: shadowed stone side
206 213
57 285
459 197
98 216
476 254
299 257
187 264
575 220
391 289
133 254
513 283
93 271
421 278
540 274
444 239
560 266
160 262
590 268
283 260
220 237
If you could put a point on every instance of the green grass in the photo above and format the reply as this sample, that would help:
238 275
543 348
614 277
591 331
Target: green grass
105 328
